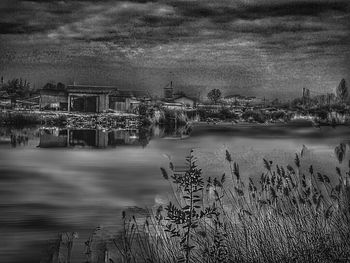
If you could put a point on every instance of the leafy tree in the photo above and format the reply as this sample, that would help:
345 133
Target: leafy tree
342 91
60 86
214 95
17 88
52 86
296 103
321 113
49 86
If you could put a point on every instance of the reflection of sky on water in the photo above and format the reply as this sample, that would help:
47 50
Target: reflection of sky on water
47 190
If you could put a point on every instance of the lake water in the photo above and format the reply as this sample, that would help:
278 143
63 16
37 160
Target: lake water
57 180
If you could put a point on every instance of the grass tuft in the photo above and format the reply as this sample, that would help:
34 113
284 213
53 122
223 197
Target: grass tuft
285 216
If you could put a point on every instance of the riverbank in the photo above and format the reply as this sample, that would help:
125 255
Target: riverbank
249 124
242 124
166 117
69 119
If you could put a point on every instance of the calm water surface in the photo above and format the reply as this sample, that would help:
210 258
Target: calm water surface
57 180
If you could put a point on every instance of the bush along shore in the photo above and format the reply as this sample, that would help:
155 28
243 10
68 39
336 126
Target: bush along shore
285 216
169 117
145 117
74 120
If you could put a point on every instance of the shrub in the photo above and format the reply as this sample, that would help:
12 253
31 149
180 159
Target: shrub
257 116
225 114
322 114
278 115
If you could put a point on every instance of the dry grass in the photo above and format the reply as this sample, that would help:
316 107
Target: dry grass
285 217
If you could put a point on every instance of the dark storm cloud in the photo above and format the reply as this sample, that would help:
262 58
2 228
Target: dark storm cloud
165 18
27 17
277 25
260 43
304 8
222 12
269 18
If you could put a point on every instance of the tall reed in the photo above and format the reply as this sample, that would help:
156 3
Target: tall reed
284 216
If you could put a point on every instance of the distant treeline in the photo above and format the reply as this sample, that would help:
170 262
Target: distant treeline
17 88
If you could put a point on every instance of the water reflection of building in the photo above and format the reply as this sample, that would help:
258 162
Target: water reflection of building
169 132
17 137
87 138
123 137
19 140
56 137
53 138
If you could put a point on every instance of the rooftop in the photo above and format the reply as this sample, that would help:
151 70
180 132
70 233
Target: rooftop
238 96
183 96
131 93
91 88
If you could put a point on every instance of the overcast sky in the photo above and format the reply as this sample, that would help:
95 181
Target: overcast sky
271 48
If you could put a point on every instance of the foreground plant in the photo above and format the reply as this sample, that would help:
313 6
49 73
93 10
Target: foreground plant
288 214
185 218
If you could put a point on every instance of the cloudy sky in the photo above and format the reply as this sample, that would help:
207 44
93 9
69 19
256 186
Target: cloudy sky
271 48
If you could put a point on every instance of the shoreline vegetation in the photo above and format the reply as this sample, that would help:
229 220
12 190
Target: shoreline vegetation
172 117
66 119
17 96
290 214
